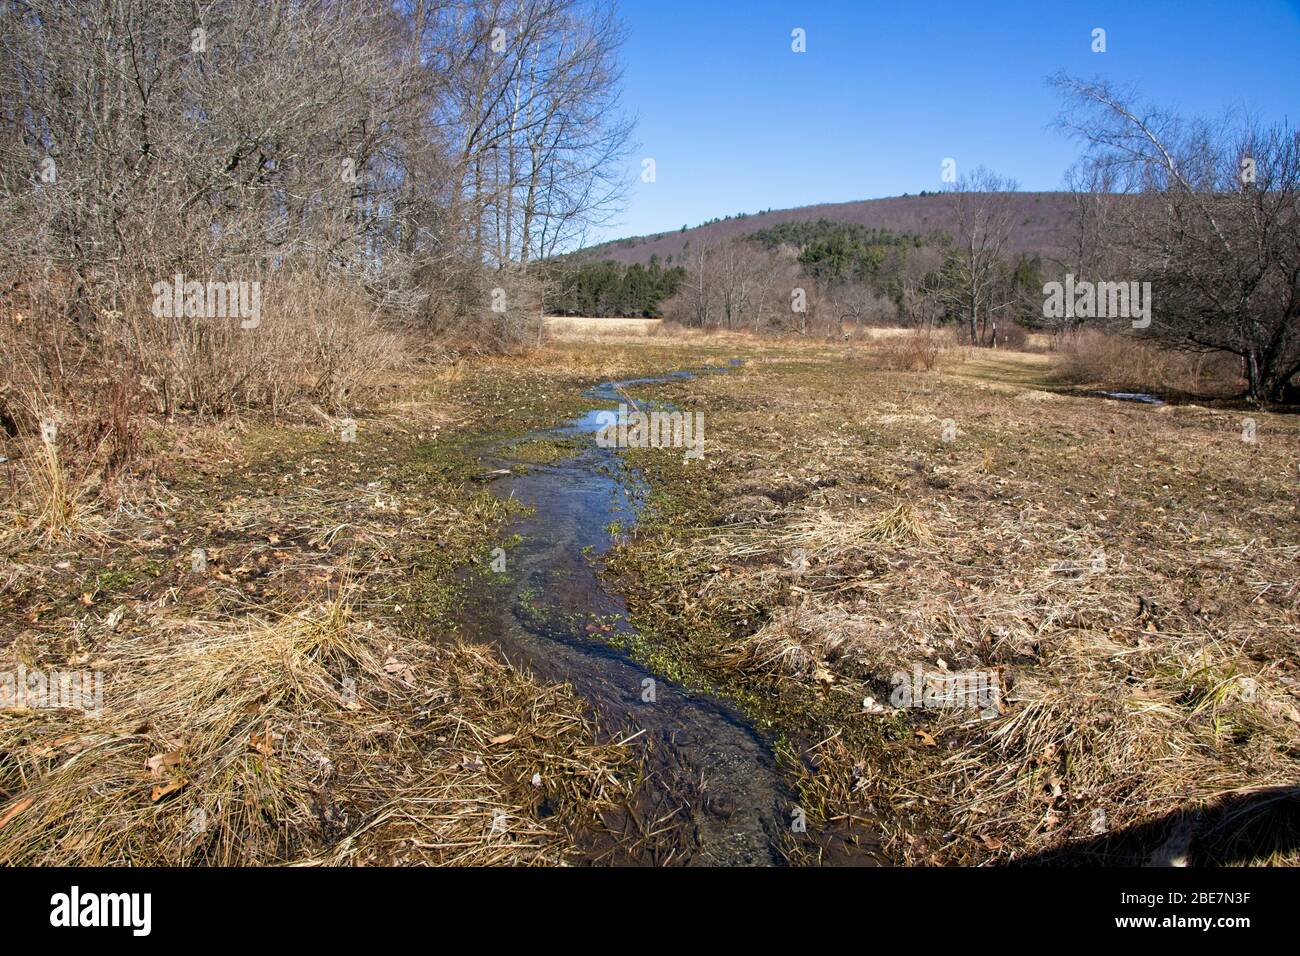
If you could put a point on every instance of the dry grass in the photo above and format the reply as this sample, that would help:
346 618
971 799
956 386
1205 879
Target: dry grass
517 774
50 499
307 738
1129 364
213 746
1129 574
920 350
564 328
297 700
314 339
59 503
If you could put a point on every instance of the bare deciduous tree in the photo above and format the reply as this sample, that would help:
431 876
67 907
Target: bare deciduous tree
399 150
1211 219
984 221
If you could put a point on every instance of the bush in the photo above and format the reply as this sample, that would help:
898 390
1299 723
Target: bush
919 351
1116 362
314 339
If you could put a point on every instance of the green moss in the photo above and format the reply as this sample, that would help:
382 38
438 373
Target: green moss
544 451
117 580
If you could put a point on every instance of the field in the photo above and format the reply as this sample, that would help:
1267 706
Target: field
577 327
1125 575
1118 584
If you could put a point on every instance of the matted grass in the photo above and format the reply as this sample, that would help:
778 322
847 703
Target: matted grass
1128 573
297 695
1130 577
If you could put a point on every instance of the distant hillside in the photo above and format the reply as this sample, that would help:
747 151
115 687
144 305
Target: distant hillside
1043 225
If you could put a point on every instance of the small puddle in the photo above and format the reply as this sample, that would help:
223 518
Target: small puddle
1142 397
707 765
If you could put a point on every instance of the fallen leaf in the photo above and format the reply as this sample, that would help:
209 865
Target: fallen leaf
926 739
161 790
48 749
161 762
263 743
502 739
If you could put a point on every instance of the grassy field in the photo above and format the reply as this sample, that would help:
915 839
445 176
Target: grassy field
571 328
295 691
1125 576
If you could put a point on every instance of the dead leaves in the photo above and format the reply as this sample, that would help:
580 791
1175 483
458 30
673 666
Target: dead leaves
162 790
264 743
73 743
161 767
399 670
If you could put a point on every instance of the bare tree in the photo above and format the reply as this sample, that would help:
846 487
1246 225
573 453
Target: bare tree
984 220
395 149
1211 219
701 289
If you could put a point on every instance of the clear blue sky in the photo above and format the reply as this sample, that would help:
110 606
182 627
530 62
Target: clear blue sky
737 122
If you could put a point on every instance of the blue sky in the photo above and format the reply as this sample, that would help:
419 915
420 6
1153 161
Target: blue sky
737 122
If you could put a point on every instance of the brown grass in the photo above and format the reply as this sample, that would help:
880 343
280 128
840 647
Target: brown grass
1112 362
318 340
920 350
576 327
298 700
303 738
1129 573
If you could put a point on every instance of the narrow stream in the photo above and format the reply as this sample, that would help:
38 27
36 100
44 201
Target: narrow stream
708 765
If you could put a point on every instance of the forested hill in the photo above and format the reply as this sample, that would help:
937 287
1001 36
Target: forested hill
1043 225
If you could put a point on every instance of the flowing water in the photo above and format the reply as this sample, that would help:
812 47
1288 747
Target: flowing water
547 614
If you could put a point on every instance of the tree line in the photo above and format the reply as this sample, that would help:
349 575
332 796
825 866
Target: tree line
609 288
823 277
1204 214
407 160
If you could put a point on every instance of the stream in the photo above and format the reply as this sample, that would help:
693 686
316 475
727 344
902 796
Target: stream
709 770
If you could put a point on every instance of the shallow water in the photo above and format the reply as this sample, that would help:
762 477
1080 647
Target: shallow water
1142 397
547 613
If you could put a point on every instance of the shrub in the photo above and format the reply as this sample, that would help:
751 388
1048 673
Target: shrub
916 352
1128 363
